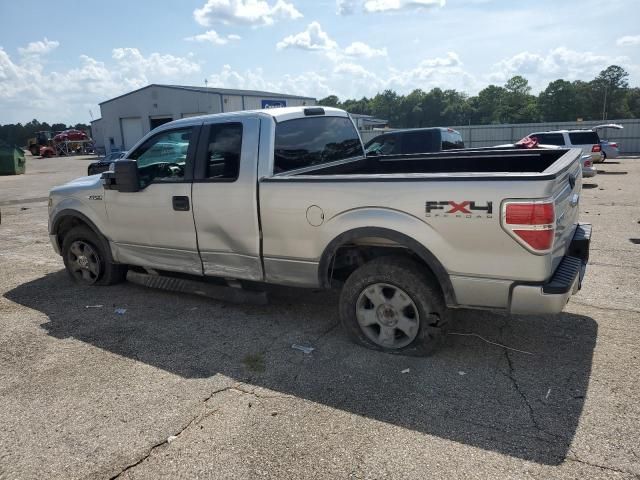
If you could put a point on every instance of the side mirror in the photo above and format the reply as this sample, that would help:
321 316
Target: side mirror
124 177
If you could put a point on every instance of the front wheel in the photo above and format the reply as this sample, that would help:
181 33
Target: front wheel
391 304
87 260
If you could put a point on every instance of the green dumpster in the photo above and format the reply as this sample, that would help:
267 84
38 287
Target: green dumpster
12 160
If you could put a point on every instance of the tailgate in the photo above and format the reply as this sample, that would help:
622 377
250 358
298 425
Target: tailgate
566 195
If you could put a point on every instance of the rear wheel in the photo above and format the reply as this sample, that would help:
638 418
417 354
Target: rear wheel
391 304
87 259
604 157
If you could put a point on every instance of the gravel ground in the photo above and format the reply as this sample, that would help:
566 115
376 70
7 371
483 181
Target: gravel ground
182 386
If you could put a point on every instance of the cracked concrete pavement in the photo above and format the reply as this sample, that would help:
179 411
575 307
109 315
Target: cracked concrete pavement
182 386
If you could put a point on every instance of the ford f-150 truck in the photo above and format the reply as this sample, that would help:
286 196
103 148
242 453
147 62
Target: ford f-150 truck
287 196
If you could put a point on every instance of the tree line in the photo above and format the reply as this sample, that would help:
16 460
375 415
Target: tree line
19 134
608 96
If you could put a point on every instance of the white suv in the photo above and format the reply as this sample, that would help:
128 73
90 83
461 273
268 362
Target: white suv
587 140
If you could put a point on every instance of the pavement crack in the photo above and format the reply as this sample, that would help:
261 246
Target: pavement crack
516 385
326 332
195 420
603 467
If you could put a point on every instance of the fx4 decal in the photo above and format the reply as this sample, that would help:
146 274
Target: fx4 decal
466 208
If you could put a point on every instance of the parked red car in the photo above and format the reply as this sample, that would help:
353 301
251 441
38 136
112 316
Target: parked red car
70 136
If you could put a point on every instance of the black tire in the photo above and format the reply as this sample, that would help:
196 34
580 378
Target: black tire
413 282
604 157
104 271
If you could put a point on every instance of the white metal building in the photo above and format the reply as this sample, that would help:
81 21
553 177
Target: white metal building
125 119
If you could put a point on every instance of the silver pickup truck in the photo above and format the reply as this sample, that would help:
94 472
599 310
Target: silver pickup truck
287 196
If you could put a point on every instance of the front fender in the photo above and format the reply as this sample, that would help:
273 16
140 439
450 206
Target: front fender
94 216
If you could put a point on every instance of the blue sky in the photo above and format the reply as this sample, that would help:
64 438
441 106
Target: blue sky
69 57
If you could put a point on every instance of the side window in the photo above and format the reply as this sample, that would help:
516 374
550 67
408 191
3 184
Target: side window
419 142
549 138
308 141
163 157
223 154
389 145
584 138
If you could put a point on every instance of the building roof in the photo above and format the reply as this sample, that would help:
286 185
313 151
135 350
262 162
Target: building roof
221 91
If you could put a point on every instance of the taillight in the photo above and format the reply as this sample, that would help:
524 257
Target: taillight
596 148
613 144
588 164
531 223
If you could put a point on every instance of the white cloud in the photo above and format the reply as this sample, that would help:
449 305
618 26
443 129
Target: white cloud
391 5
40 47
347 7
628 41
359 49
305 84
245 12
445 72
313 38
560 62
212 36
354 70
60 95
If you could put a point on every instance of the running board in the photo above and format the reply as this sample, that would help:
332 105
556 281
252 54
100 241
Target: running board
193 287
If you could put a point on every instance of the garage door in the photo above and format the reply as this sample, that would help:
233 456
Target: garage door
131 131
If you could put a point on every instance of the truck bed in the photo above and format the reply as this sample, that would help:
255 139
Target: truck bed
534 161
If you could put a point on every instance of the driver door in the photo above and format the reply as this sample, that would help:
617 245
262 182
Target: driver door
154 227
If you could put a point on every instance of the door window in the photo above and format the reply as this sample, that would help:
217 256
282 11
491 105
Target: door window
163 157
223 154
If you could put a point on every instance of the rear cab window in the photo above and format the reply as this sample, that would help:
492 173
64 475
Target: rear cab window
309 141
584 138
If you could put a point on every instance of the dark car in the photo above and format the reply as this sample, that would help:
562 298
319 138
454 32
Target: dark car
415 140
102 165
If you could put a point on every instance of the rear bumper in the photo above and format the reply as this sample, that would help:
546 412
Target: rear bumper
552 296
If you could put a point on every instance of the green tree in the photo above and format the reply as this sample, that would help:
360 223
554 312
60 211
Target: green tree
610 88
558 102
330 101
518 105
486 106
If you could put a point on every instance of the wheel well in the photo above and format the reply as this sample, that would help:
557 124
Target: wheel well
352 249
67 221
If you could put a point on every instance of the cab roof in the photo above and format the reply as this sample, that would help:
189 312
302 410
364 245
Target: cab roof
279 114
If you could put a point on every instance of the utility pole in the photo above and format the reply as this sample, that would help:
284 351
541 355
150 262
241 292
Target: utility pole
604 103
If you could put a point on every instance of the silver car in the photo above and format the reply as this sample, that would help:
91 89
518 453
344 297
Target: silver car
609 149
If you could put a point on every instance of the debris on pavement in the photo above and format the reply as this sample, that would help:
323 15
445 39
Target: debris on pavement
120 311
406 370
461 373
171 438
303 348
93 306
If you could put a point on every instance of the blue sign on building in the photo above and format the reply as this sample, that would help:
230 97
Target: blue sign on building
274 103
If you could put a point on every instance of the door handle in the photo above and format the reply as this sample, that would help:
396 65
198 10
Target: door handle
181 203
